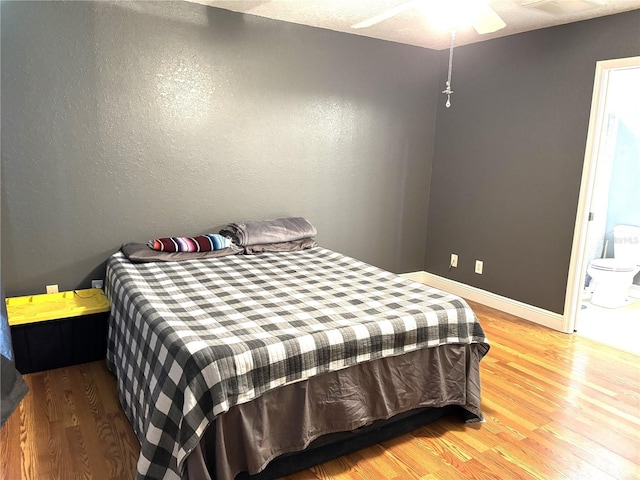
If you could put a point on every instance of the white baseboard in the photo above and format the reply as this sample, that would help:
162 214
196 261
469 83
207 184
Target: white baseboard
514 307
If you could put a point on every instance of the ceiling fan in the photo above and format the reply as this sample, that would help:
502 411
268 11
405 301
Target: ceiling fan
446 14
449 15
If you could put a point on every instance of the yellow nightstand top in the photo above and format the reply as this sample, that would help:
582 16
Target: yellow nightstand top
39 308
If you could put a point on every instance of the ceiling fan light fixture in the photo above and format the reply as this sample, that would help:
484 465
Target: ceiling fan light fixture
455 14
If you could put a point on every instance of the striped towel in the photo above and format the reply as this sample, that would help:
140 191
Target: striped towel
201 243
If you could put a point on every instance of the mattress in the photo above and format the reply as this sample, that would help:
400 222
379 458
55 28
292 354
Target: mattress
188 341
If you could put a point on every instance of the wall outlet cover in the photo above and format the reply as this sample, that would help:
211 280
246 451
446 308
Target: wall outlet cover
96 283
479 266
52 288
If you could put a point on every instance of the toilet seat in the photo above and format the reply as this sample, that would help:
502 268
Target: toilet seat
611 265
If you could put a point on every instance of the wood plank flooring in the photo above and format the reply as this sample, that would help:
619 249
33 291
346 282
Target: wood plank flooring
557 407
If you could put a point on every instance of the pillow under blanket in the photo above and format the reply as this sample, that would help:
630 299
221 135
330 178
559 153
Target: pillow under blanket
141 253
201 243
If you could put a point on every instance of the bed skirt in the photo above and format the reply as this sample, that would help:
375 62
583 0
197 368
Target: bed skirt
338 412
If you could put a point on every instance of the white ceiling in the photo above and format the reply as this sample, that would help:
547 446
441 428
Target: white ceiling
410 27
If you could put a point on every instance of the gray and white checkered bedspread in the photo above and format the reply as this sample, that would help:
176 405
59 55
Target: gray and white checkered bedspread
189 340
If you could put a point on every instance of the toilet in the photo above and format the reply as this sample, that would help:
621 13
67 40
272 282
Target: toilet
613 276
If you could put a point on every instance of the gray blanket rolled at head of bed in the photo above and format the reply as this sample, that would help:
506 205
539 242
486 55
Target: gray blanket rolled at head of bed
258 232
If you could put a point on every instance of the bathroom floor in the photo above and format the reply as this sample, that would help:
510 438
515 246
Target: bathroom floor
619 327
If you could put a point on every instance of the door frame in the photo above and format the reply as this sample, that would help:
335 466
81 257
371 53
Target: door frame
578 263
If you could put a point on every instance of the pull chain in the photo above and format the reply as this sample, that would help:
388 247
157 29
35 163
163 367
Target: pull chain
447 91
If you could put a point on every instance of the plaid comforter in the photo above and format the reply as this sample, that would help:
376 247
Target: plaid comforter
189 340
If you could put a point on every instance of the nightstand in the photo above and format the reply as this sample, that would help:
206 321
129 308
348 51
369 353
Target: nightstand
56 330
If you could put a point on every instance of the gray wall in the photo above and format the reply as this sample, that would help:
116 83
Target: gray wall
122 122
509 152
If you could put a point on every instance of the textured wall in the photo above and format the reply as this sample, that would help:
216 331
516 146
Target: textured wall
121 122
508 156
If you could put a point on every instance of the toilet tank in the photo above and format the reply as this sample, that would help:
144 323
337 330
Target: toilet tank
626 243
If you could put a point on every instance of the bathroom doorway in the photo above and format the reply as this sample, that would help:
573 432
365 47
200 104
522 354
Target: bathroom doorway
609 196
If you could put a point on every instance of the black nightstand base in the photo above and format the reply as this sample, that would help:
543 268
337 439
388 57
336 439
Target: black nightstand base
59 343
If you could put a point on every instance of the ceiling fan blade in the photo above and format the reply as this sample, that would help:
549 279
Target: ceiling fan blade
488 20
387 14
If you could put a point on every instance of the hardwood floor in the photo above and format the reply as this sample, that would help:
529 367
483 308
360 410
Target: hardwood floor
556 406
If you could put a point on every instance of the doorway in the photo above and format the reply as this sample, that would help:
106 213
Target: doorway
610 183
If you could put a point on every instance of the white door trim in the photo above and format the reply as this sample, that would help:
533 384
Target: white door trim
577 264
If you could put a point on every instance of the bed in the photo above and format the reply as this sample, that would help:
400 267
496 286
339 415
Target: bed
229 365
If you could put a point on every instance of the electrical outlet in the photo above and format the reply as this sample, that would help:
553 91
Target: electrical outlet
479 266
96 283
52 288
454 260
